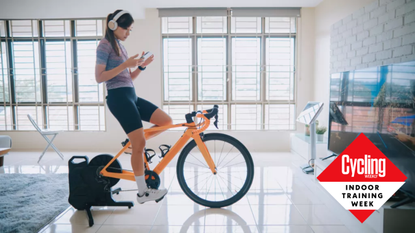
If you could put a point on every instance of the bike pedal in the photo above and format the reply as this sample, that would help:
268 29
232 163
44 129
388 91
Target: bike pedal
129 150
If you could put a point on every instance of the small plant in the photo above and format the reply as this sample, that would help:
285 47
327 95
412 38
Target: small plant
307 128
321 130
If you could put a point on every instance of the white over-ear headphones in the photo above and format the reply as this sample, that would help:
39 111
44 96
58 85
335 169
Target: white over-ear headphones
112 24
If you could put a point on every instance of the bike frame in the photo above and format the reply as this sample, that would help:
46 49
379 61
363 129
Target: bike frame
192 131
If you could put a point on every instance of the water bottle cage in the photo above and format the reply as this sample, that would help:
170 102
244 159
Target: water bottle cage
164 149
148 156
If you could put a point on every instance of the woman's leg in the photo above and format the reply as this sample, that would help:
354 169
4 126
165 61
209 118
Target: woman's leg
137 161
137 137
158 118
122 104
151 113
138 143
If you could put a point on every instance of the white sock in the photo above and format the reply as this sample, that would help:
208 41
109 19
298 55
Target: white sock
141 184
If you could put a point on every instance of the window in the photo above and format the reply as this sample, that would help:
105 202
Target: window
211 25
246 65
246 24
211 69
246 75
177 25
178 69
47 70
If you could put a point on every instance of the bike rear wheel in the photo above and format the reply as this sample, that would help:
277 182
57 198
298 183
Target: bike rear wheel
234 167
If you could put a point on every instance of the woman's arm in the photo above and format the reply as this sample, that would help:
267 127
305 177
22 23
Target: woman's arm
135 73
101 75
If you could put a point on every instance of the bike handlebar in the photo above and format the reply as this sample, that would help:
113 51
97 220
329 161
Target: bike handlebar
213 112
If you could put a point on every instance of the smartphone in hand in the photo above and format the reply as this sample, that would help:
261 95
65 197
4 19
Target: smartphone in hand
146 55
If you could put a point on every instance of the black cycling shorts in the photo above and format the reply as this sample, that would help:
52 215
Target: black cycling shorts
129 109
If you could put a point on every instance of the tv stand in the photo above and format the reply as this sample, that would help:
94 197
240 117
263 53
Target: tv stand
309 116
300 145
327 157
308 170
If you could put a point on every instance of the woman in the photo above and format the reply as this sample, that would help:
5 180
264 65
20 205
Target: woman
114 68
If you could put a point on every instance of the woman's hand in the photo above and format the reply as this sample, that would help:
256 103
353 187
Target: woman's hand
132 62
148 61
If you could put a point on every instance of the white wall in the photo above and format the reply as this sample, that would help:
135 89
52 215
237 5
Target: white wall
305 75
52 9
381 33
146 37
328 13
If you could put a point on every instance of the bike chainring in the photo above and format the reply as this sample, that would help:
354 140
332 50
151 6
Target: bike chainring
152 179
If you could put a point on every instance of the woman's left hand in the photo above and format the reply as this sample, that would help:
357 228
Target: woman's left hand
148 61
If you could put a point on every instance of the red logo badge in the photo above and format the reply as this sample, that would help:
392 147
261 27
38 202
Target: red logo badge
361 178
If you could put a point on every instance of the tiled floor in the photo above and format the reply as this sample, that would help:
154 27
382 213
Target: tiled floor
281 199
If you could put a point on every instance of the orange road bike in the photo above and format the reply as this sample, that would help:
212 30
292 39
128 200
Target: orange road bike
214 169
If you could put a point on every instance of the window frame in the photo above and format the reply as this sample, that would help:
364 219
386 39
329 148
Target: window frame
74 102
229 72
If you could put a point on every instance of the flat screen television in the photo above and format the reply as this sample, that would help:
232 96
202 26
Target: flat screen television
379 102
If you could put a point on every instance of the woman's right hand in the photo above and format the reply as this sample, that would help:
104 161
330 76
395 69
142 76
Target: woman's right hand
132 62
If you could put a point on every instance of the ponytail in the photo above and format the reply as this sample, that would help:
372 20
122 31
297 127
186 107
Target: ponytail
110 36
124 21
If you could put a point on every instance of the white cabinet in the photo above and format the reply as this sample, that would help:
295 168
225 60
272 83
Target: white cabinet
300 144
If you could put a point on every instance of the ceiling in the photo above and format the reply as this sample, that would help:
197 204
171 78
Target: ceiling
228 3
53 9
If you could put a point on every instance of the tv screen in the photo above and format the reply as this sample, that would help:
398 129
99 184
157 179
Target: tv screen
379 102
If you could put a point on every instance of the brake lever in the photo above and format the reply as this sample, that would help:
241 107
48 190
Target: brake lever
216 121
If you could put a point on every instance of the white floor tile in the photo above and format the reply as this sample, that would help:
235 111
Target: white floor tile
277 215
281 199
79 217
177 215
71 228
318 215
285 229
137 215
303 196
330 229
202 229
123 229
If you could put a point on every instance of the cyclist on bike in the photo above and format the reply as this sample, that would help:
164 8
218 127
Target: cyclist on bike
113 66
